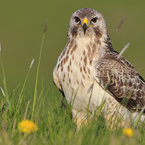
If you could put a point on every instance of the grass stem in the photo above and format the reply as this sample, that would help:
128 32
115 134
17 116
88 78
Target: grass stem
36 82
4 78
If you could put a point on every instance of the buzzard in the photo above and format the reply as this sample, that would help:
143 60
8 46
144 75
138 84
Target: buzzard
90 75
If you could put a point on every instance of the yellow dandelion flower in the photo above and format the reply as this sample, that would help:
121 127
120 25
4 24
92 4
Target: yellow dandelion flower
128 132
27 126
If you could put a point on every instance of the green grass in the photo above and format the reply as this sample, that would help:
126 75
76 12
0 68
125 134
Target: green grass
53 120
55 124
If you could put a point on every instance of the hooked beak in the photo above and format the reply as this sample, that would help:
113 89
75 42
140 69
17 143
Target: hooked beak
85 24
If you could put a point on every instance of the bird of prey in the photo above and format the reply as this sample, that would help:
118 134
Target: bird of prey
88 72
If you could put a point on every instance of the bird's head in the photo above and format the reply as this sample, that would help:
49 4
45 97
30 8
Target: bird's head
87 22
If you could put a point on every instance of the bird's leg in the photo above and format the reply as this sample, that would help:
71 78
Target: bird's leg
80 119
80 122
116 121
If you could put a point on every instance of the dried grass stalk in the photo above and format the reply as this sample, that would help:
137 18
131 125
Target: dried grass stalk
119 26
122 51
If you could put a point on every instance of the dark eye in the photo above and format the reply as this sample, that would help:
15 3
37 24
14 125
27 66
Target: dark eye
77 19
94 20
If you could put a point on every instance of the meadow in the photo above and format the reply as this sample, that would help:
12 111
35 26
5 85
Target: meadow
27 90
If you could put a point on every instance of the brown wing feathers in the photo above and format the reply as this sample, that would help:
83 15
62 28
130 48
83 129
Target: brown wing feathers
122 81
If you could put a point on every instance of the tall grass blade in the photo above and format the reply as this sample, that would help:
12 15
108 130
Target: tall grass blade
4 78
139 117
36 82
21 96
122 51
3 92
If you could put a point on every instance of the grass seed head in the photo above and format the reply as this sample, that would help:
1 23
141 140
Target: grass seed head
32 62
45 26
120 24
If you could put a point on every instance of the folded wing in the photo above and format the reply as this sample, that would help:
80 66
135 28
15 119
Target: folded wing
121 80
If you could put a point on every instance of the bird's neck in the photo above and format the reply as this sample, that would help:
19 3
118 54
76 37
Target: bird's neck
91 45
107 42
104 44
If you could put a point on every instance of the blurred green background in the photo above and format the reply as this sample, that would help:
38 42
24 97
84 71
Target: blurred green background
21 28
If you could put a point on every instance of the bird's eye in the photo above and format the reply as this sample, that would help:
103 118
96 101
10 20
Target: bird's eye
94 20
77 19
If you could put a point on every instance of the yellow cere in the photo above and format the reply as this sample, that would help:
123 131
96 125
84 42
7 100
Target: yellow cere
128 132
27 126
85 21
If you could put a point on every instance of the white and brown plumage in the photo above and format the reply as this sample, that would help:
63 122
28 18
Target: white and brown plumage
88 67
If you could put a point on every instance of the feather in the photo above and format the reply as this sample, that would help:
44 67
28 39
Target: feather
121 84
